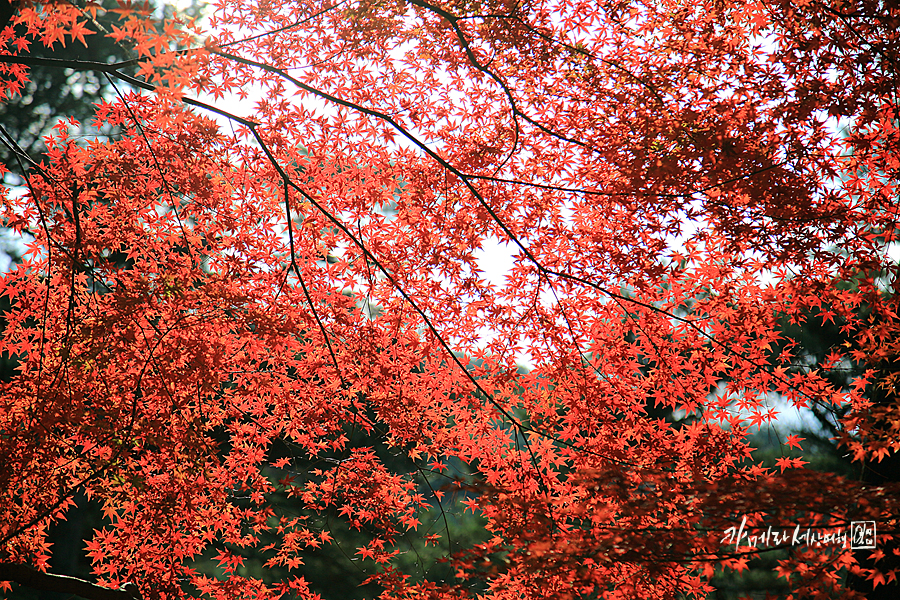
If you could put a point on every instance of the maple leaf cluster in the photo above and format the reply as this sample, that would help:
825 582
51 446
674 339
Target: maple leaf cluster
226 325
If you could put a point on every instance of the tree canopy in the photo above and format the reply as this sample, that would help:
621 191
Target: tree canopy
231 323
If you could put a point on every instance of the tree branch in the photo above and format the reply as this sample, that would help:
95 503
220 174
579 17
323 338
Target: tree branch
29 577
113 70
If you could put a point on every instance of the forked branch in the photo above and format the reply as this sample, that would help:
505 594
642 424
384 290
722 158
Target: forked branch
48 582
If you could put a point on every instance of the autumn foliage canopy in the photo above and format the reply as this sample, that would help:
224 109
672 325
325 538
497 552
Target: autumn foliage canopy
231 314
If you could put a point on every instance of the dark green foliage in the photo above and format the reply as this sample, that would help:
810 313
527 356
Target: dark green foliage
53 93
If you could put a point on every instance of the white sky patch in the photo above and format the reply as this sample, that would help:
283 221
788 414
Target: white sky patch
496 259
